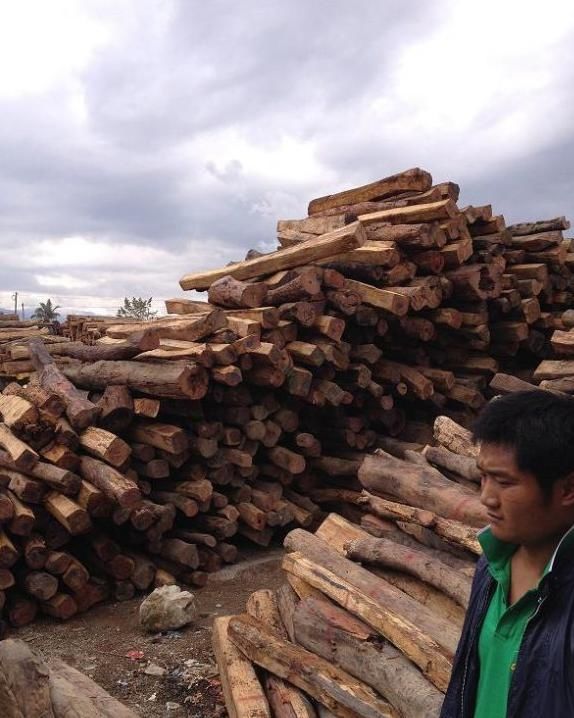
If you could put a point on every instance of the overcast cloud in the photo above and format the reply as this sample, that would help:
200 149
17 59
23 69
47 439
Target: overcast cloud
142 139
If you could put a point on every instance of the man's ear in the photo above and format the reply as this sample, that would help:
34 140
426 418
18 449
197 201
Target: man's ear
567 490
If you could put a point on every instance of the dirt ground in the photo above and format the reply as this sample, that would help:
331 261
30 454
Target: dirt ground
108 645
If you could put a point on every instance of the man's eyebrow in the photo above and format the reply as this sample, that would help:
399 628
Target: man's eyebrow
494 472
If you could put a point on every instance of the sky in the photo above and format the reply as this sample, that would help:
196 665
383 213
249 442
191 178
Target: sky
144 139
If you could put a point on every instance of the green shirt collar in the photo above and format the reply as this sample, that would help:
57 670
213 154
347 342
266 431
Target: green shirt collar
498 552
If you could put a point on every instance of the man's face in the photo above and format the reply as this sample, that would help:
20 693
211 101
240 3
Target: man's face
518 510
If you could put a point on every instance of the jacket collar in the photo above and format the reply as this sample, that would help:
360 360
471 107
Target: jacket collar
498 552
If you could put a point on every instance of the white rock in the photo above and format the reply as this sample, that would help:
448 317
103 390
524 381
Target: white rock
171 707
168 608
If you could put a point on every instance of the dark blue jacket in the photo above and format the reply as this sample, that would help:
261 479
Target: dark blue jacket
543 681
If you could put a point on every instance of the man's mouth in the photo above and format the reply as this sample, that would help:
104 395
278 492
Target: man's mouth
493 518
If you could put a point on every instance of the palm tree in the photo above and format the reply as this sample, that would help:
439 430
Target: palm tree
46 312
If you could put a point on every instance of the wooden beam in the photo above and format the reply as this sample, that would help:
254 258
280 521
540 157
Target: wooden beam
341 240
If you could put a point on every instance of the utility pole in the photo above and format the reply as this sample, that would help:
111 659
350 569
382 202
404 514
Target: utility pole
23 314
15 298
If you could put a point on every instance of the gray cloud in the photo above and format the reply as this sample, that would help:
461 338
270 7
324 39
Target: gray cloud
195 125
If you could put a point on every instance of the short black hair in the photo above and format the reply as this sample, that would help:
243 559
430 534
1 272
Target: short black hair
539 426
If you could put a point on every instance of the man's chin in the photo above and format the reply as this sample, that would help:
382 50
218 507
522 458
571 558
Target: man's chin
501 532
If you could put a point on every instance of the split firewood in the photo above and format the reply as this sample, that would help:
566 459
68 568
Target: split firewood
343 640
421 487
244 695
426 641
326 683
341 240
285 700
454 437
385 552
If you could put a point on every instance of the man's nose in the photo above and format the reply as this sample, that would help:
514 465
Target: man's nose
488 493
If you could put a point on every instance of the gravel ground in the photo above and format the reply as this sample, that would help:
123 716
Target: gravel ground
108 645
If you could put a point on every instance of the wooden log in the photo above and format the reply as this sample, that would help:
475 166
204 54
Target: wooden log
166 437
244 695
286 459
24 488
387 299
40 585
421 487
320 679
562 343
385 552
6 579
35 551
116 408
65 435
44 401
80 412
8 552
565 385
341 240
23 518
554 369
181 552
285 700
454 437
16 412
148 408
112 483
22 456
423 638
169 380
24 688
105 446
68 513
187 506
66 482
304 285
58 562
558 224
61 456
461 465
230 292
432 211
337 636
22 609
507 384
415 180
185 329
74 694
92 593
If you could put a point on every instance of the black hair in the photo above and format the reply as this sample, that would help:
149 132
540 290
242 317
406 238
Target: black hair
539 426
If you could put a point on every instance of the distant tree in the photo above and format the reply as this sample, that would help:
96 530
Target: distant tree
46 312
137 308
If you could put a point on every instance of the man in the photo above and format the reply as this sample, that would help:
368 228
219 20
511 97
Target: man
515 658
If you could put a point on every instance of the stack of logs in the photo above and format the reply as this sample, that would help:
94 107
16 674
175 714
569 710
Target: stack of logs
108 492
144 454
369 618
12 331
89 328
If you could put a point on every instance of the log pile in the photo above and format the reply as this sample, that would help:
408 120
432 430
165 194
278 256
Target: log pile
89 328
369 618
252 412
13 332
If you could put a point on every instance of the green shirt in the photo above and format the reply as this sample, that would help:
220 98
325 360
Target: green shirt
503 627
